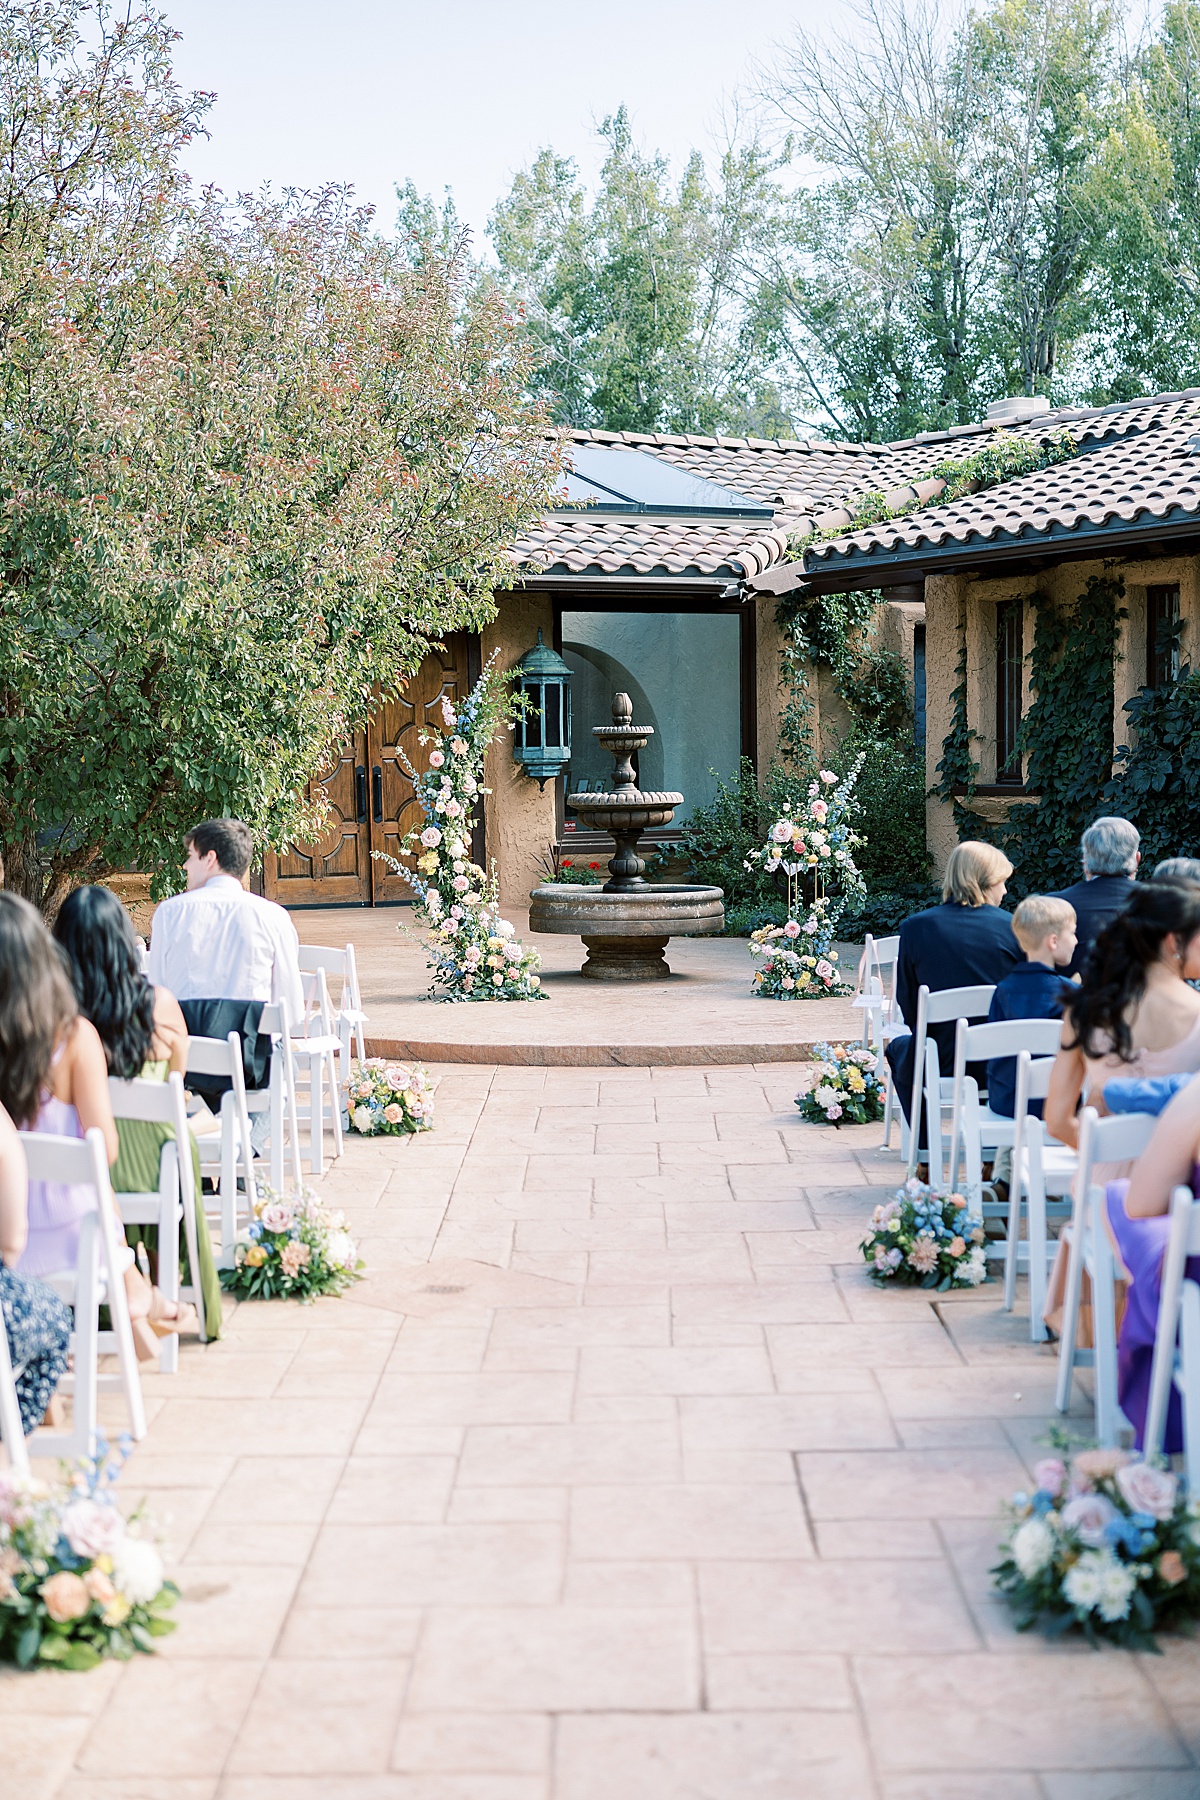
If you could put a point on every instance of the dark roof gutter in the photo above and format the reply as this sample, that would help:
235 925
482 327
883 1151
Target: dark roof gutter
1001 554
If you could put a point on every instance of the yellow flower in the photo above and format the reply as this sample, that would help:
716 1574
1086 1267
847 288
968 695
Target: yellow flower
116 1612
256 1256
854 1080
428 863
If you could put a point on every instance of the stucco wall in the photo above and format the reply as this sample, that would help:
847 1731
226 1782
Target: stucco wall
519 818
949 598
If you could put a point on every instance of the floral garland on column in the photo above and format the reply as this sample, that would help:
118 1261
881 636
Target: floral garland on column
472 950
812 842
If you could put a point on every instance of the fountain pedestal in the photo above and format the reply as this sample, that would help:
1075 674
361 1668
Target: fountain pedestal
626 924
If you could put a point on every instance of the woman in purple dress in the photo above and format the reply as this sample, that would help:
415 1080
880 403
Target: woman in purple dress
1137 1213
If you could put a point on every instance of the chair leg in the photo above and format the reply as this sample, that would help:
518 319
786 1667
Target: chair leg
1105 1328
168 1255
1070 1318
1035 1225
10 1412
316 1114
335 1103
1189 1333
889 1101
1015 1188
229 1162
85 1339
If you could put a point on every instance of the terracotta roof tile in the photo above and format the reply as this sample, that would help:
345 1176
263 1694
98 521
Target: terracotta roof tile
1130 470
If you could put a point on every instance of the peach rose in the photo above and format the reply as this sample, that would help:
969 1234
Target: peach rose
1171 1568
1096 1465
66 1597
99 1587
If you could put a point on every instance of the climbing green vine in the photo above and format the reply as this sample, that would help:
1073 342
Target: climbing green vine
1156 781
1066 737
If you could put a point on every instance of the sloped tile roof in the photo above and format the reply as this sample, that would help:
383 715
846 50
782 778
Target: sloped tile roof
1138 470
1132 448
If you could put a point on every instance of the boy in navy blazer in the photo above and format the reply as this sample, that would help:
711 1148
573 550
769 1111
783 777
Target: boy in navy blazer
1044 926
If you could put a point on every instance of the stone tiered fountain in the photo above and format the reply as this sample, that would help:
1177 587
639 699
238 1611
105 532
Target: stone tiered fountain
626 924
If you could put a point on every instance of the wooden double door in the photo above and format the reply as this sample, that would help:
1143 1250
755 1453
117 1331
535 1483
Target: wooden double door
371 802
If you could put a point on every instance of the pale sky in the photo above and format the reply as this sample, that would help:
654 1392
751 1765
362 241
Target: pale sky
458 93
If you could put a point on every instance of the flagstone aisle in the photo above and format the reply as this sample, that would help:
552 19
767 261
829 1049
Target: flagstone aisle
616 1481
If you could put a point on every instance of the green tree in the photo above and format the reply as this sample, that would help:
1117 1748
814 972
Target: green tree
255 460
631 294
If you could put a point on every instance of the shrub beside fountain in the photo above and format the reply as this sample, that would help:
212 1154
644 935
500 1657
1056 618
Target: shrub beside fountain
626 924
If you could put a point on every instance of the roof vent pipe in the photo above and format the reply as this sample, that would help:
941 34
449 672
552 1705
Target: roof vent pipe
1017 409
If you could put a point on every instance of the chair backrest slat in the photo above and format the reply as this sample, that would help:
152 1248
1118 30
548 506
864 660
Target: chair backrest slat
957 1003
1006 1037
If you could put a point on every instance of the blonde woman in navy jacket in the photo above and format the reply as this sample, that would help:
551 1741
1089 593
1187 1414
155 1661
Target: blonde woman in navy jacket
967 941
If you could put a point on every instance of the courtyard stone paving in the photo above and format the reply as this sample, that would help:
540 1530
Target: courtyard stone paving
616 1480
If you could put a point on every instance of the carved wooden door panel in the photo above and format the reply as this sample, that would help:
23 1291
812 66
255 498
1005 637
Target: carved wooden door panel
394 728
336 871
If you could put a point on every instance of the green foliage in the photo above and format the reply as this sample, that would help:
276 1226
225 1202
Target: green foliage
891 798
256 458
1066 738
1156 781
958 770
630 294
718 837
885 909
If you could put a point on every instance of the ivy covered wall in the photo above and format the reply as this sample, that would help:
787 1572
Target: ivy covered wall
1093 738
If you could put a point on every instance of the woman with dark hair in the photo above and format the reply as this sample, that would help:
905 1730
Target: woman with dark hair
1134 1015
143 1034
35 1008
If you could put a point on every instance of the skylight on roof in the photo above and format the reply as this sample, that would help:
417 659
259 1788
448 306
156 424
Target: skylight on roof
634 482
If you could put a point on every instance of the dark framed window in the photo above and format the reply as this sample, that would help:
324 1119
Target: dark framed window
919 684
1162 635
1010 656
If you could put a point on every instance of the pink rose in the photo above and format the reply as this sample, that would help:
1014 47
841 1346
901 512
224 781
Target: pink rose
99 1587
92 1530
276 1217
1087 1515
1050 1475
791 929
66 1597
818 809
436 759
1148 1490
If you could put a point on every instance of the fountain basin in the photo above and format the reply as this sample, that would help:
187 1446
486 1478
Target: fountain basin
625 933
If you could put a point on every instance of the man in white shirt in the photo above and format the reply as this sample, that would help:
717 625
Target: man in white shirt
218 941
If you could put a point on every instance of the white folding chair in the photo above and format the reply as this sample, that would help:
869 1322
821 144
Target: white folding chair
876 1000
349 1012
163 1103
228 1151
937 1009
11 1434
278 1098
1177 1340
1113 1140
975 1127
315 1050
97 1278
1043 1175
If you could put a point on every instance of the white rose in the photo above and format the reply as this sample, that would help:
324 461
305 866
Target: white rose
1033 1547
137 1570
342 1249
362 1118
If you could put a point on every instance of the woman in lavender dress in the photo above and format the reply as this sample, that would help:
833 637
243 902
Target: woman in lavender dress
1137 1213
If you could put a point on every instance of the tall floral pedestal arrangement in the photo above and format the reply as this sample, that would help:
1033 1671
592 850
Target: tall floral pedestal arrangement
812 844
473 952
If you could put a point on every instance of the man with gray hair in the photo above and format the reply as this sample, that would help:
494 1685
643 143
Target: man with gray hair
1110 855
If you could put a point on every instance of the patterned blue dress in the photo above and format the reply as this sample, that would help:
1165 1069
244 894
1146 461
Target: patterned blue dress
38 1327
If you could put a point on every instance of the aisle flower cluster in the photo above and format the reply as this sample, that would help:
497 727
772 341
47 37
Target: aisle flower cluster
921 1238
293 1249
811 844
846 1090
78 1582
472 953
387 1100
1105 1544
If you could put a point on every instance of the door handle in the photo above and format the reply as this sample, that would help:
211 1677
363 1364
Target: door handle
360 795
377 794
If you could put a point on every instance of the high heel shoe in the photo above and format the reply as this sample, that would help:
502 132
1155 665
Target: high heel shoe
166 1324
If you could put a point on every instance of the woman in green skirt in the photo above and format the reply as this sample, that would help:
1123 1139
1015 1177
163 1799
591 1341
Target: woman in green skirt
144 1034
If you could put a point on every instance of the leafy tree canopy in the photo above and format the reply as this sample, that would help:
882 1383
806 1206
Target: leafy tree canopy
255 459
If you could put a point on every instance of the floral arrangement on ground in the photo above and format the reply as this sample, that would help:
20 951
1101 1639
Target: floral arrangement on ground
78 1582
921 1238
846 1090
811 844
1107 1545
387 1100
472 953
293 1249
